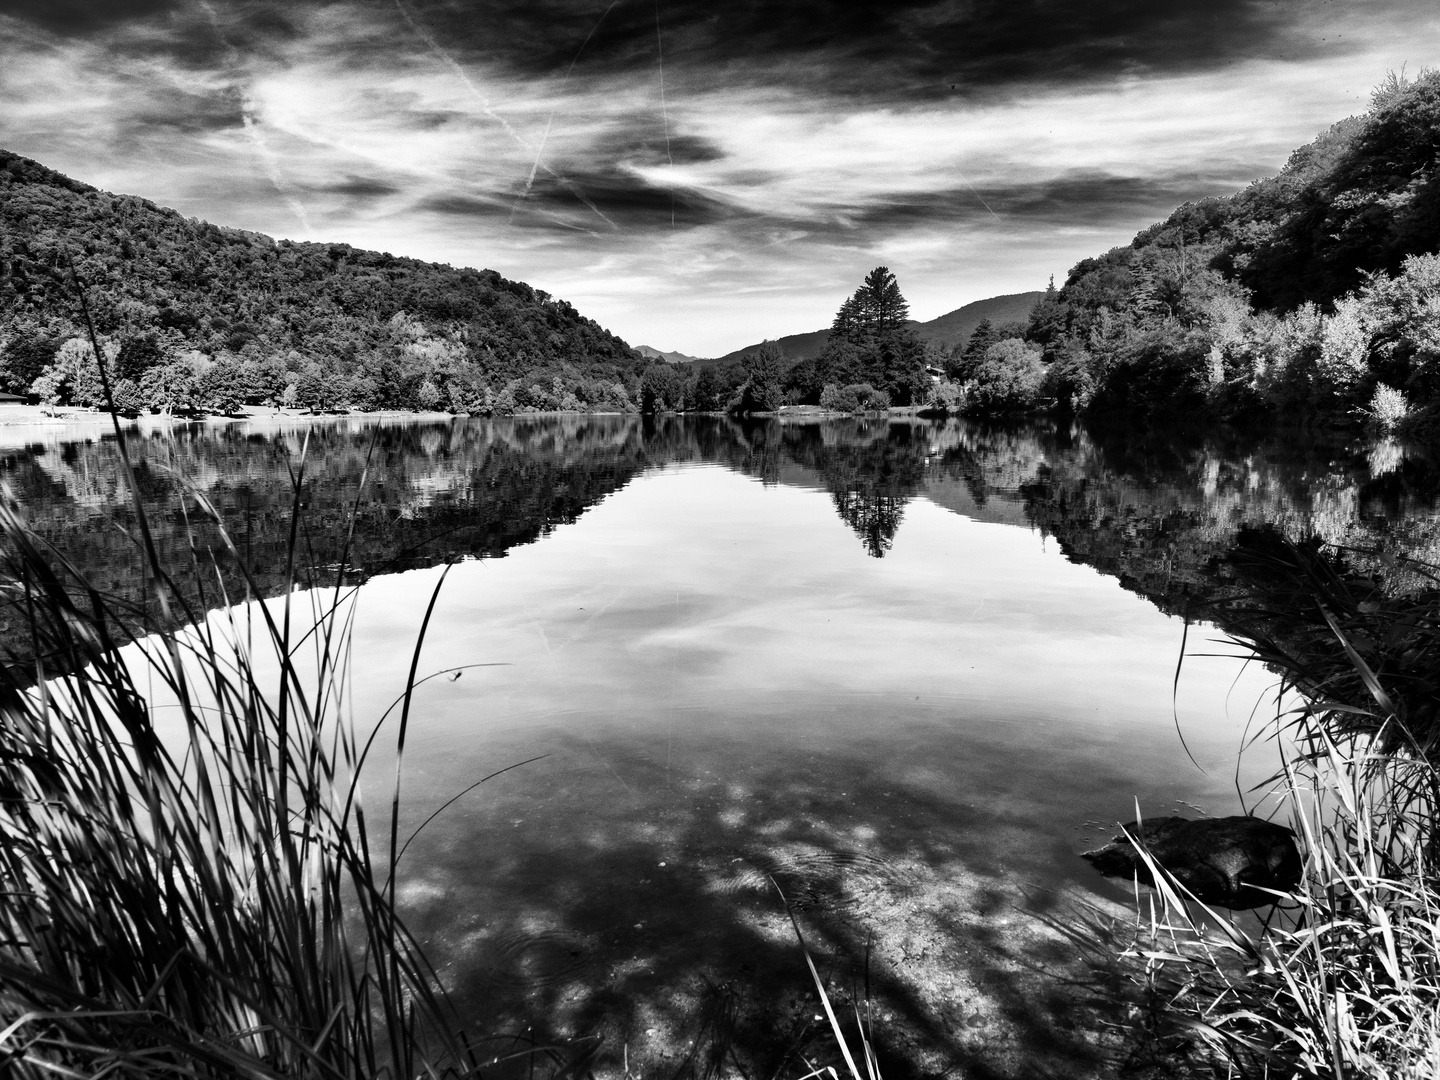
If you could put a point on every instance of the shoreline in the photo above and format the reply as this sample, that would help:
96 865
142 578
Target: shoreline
27 425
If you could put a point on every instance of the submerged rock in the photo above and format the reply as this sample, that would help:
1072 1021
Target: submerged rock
1226 861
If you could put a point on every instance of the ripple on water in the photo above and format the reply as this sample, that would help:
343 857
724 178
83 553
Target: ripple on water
523 960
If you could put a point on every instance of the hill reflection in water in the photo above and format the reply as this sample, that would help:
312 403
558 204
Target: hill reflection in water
695 628
1157 511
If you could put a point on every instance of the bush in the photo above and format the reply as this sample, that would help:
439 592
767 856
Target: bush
855 398
1388 408
945 395
1008 379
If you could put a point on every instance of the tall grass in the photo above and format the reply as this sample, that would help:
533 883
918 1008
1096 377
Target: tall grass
192 890
1343 980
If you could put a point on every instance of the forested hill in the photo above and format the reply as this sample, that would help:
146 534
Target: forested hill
197 316
1315 292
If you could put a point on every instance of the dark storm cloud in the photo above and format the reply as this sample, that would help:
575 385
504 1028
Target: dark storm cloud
183 112
874 48
463 206
361 187
1081 199
626 199
82 17
196 34
877 48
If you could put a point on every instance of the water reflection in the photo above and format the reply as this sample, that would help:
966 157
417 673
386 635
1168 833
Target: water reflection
1157 512
696 627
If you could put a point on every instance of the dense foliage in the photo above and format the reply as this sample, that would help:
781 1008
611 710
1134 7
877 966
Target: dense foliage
1312 294
194 317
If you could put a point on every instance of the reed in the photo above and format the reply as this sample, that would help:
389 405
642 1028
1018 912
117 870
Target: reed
188 886
1343 978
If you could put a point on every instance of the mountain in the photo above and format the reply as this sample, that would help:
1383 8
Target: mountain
196 317
794 347
955 327
667 357
951 329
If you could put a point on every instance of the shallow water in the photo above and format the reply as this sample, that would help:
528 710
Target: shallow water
889 678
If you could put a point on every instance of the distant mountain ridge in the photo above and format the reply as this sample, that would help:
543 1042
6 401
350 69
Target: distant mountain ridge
951 329
652 353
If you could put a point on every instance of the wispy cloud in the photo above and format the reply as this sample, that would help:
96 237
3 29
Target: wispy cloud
974 147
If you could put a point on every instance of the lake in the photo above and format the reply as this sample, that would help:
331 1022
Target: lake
901 672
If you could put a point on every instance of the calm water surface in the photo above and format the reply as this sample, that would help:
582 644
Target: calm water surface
907 671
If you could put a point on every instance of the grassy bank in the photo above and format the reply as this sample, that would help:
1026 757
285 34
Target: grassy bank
194 891
1342 979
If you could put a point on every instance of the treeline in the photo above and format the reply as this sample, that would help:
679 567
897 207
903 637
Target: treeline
193 317
1314 293
871 361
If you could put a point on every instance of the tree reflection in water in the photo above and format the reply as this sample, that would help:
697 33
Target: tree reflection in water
872 479
875 517
1159 511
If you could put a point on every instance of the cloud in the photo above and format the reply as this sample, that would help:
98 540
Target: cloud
875 50
797 146
362 187
632 199
84 17
461 206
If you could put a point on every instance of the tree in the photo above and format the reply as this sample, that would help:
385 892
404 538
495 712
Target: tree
221 387
712 390
172 387
1048 321
24 359
661 389
1008 379
764 389
881 307
870 342
73 377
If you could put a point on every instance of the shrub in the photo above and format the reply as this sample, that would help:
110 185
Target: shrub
945 395
1008 378
832 397
855 398
1388 408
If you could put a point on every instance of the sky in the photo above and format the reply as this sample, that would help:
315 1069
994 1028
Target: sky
697 175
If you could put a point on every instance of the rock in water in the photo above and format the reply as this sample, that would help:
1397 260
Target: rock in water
1225 861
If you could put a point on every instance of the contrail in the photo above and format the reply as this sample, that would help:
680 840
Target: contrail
530 180
272 167
268 160
977 195
450 62
534 168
